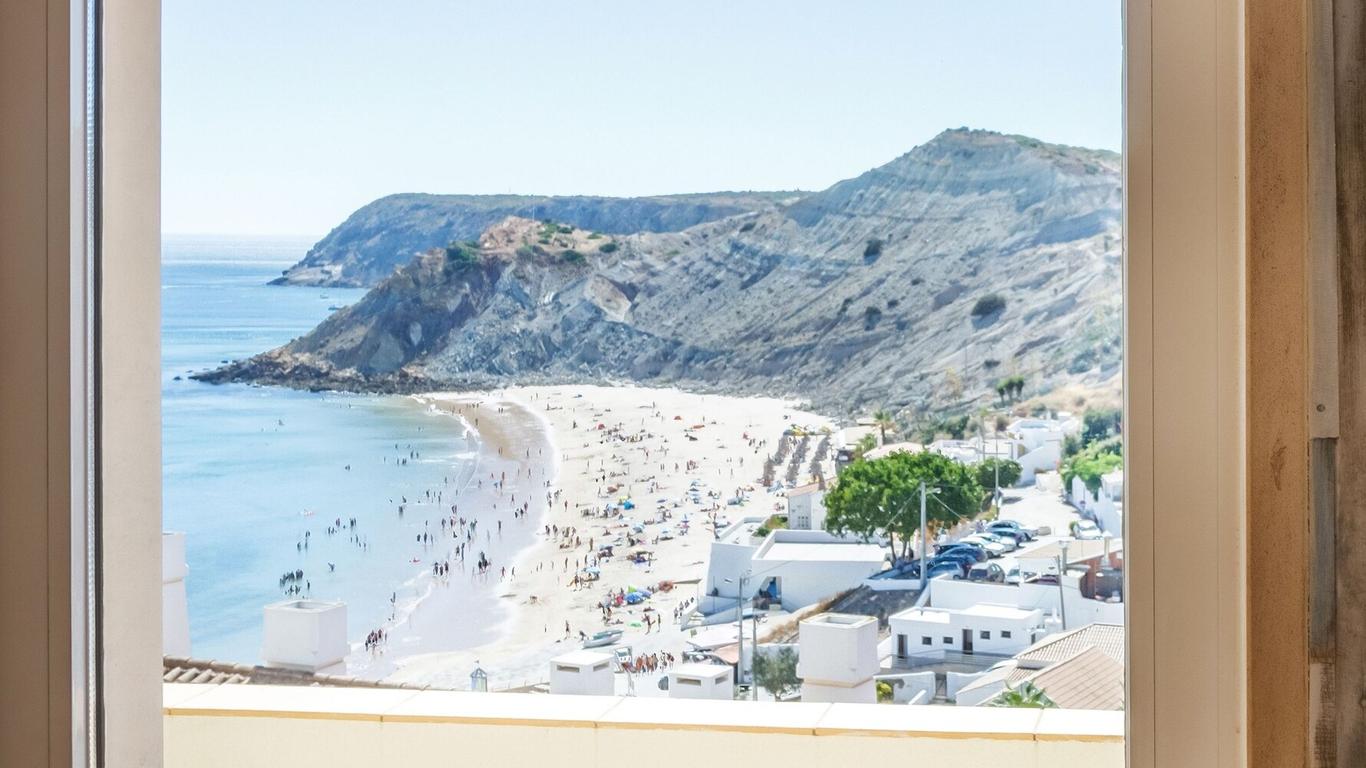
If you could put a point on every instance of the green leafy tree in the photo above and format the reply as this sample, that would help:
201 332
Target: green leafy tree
881 497
1094 461
777 672
1024 696
990 471
1101 423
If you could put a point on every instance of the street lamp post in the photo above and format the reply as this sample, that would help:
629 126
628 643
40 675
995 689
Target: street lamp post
740 629
1062 593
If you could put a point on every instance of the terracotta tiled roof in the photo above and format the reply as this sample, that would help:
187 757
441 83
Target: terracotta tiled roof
178 670
1055 648
1090 680
1108 639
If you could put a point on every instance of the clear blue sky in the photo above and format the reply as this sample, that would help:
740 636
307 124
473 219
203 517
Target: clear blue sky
283 116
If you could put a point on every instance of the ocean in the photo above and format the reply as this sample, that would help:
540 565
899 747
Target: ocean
255 476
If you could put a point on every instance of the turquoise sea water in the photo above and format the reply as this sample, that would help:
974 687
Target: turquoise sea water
252 473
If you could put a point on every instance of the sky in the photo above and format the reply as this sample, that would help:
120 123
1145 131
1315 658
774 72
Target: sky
284 116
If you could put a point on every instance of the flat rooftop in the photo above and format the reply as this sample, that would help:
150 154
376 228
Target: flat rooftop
990 610
929 615
823 552
582 658
697 669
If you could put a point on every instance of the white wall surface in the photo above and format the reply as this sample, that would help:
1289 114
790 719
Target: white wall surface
357 728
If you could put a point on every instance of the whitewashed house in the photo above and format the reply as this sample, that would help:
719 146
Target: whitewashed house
789 568
935 633
582 672
838 658
1065 601
806 507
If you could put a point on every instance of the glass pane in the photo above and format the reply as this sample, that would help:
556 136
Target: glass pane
684 351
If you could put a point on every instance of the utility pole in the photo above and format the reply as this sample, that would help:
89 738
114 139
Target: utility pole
1062 594
753 655
924 542
740 627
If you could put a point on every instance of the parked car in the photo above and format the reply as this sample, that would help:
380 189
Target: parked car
1086 529
955 568
992 547
1013 576
978 552
990 540
990 572
1011 527
962 557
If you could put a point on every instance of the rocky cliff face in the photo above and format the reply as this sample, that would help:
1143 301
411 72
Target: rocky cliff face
381 237
917 284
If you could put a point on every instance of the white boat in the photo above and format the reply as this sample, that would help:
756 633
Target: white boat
605 637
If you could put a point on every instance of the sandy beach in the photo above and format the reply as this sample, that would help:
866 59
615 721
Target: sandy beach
657 448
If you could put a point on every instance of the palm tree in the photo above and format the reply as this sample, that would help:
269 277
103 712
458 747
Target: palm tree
884 420
1024 696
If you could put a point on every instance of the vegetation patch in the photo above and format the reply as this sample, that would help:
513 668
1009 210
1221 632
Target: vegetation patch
872 249
988 305
871 317
572 256
608 247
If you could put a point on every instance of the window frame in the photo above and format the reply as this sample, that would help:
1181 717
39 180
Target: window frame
1184 379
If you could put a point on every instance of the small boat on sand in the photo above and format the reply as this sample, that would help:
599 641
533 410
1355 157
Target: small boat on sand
605 637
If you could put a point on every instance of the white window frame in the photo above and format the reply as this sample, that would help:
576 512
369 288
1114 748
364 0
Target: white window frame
1184 381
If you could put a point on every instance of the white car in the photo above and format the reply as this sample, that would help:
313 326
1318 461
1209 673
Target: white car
990 544
1085 529
1006 541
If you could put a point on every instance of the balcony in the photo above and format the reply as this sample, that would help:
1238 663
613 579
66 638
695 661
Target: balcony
263 726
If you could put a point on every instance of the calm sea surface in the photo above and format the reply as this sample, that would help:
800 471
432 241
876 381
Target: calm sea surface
255 475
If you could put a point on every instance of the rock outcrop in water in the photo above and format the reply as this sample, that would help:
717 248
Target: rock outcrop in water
917 284
383 236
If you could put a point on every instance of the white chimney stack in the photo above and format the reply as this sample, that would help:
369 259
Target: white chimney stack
175 613
307 635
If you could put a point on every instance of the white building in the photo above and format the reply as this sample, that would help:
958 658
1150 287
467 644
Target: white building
582 672
1000 630
806 507
1064 601
175 613
307 635
791 568
1106 504
702 681
838 658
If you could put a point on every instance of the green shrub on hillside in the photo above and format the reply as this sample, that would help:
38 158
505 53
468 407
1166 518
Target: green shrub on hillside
988 305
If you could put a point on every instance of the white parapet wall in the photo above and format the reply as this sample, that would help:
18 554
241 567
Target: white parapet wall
175 611
308 635
584 673
262 726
